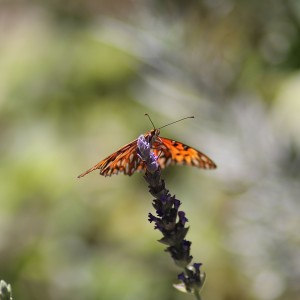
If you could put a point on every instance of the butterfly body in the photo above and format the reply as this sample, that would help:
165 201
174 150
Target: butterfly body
169 152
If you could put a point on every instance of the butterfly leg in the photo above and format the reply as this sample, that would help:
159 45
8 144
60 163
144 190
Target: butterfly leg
159 154
158 150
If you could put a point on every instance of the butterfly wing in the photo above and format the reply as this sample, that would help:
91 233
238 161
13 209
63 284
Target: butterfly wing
125 160
171 152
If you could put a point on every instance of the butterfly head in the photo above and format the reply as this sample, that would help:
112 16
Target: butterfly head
155 132
152 135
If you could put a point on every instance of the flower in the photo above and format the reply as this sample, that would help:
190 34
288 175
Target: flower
146 155
170 222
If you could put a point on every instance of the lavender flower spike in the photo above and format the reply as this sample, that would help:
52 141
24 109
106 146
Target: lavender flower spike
170 222
146 155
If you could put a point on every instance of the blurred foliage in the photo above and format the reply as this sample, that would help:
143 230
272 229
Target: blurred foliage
5 291
75 80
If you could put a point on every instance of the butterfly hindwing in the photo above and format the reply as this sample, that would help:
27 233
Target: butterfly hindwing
171 152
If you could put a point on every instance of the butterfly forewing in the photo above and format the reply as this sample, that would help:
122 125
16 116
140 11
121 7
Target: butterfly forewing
123 160
169 152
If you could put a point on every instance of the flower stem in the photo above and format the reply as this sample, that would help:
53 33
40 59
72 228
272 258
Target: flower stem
197 295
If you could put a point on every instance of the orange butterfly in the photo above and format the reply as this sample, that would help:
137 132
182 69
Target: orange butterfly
169 152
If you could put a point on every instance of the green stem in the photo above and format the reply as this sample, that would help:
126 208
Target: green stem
197 295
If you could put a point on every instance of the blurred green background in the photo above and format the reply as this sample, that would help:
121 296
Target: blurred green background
75 80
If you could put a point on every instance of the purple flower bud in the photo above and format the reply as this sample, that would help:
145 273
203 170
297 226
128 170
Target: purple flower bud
182 218
186 245
158 226
177 203
152 164
181 276
146 155
143 146
151 218
197 267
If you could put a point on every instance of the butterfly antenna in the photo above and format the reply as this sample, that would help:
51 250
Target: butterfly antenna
150 120
191 117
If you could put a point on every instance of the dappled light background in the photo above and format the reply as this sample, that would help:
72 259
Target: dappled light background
76 78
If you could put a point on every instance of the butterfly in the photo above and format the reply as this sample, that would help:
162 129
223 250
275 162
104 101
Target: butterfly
169 152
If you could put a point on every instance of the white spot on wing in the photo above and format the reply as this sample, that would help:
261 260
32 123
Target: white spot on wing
195 162
204 158
131 157
162 160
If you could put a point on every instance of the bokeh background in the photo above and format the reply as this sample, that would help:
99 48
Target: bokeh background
76 77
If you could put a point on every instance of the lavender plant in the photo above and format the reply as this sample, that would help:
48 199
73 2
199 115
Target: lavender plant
171 222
